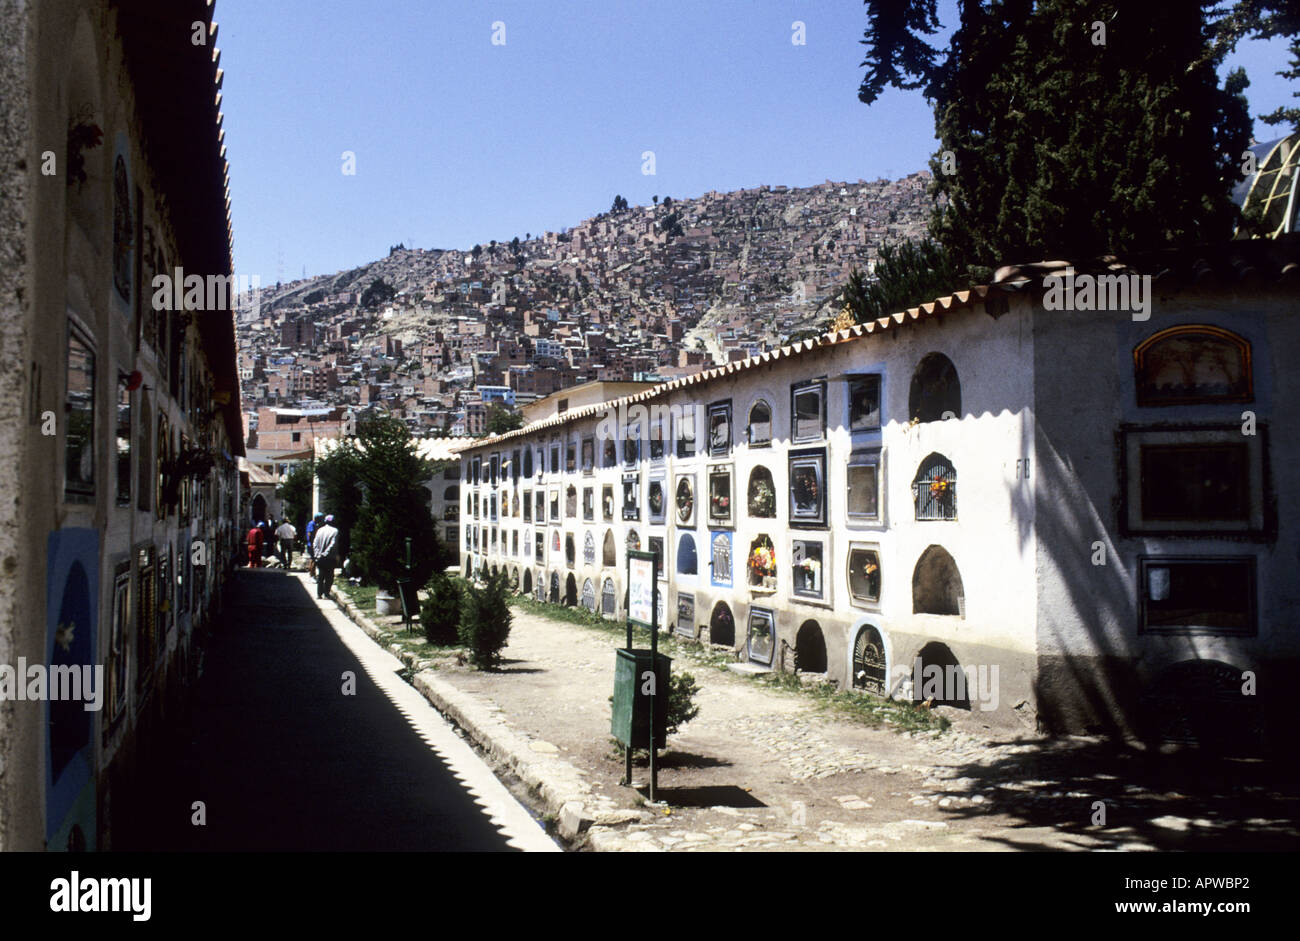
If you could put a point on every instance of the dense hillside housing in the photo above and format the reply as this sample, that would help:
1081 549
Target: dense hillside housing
121 424
1067 505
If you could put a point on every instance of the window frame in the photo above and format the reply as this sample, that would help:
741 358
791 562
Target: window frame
717 471
631 508
806 596
816 458
767 615
720 409
1148 562
807 387
687 446
1262 522
657 479
77 490
1146 398
749 423
859 601
691 518
863 457
856 379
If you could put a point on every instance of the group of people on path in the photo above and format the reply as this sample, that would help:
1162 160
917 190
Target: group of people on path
268 541
321 543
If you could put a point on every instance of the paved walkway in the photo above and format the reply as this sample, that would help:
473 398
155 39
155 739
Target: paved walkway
764 769
283 760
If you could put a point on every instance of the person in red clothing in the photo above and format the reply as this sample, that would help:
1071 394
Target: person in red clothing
255 548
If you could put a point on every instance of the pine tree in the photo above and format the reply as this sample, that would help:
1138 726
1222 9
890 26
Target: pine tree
1070 128
391 472
485 620
905 275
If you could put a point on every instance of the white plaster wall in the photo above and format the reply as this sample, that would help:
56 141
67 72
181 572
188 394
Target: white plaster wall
991 541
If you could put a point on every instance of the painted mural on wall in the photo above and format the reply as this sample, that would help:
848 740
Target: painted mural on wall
71 606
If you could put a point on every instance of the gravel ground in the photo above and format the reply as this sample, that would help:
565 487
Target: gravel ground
768 769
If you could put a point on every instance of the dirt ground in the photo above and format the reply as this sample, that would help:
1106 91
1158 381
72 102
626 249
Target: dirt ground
763 769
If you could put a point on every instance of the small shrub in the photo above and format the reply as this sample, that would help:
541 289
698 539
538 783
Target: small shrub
681 701
485 620
440 613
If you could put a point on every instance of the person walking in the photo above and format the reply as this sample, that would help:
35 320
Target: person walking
255 547
268 542
312 524
286 534
324 548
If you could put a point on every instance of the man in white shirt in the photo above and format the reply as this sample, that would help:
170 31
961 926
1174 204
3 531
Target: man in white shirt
286 534
323 547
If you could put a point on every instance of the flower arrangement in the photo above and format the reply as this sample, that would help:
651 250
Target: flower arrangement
762 562
762 499
810 566
939 488
656 499
721 504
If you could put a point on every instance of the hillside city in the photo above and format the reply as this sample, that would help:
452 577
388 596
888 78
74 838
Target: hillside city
636 293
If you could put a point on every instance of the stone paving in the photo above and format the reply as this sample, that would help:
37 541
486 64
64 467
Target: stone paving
767 769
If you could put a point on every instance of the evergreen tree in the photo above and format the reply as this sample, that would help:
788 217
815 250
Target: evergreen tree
1069 128
340 490
396 506
1265 19
296 492
501 419
905 275
485 620
440 613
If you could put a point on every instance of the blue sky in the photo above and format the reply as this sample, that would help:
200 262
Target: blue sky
459 141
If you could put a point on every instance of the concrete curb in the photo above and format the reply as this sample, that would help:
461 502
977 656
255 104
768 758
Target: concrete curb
555 787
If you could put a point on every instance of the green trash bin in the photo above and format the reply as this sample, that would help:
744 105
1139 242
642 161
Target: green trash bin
631 714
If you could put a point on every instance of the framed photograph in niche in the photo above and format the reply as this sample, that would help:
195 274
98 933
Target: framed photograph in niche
656 498
684 500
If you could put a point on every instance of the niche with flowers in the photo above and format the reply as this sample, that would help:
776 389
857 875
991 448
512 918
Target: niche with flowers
761 564
934 489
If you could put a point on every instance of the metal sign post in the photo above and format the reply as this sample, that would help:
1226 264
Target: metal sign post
631 676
